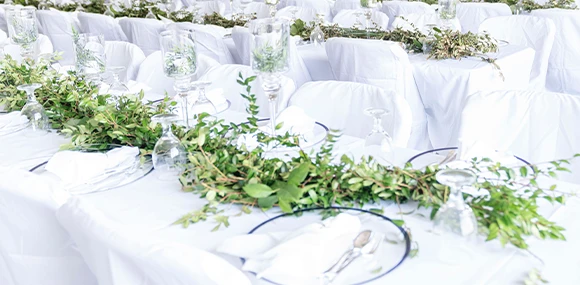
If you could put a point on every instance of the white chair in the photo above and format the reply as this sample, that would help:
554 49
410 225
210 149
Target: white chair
471 15
340 105
340 5
564 64
536 126
143 32
151 73
57 26
35 248
321 7
420 21
124 54
260 9
210 7
101 24
347 18
303 13
383 64
401 8
117 256
225 77
209 41
534 32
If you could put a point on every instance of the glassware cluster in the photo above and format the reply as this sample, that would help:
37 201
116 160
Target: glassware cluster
22 29
32 109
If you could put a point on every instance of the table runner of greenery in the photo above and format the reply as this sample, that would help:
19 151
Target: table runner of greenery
222 172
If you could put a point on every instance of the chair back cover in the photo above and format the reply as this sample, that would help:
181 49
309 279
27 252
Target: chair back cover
537 126
471 15
346 19
225 77
58 28
209 41
340 105
534 32
35 248
242 39
402 8
383 64
260 9
124 54
143 32
101 24
420 21
321 6
303 13
119 256
564 64
340 5
210 7
3 23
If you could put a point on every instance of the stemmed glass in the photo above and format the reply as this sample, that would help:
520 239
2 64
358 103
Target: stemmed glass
429 39
368 5
108 11
317 35
150 14
117 86
169 155
179 63
270 57
202 104
378 141
455 221
22 29
80 7
33 110
272 6
43 5
197 18
447 12
357 23
168 6
90 57
243 5
293 10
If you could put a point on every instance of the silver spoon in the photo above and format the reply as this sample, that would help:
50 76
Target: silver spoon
359 242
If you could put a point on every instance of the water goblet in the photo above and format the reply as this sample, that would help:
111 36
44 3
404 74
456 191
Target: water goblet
22 29
270 57
43 5
33 110
455 222
368 6
169 155
317 35
243 5
272 6
150 14
378 142
357 23
90 56
108 11
79 7
117 86
202 104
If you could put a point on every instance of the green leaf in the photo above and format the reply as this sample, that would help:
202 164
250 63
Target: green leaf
399 223
267 202
298 174
258 190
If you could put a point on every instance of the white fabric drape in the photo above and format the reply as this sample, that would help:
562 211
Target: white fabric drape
210 7
124 54
471 15
534 32
383 64
564 64
101 24
340 5
402 8
321 7
59 30
303 13
260 9
340 105
143 32
420 21
347 18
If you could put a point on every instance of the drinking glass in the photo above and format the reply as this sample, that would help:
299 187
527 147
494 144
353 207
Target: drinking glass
43 5
108 11
272 6
378 142
8 2
519 8
117 86
180 63
33 110
357 23
368 6
317 35
202 104
243 5
455 222
429 39
22 29
90 57
80 7
447 12
168 6
293 10
169 155
270 57
150 14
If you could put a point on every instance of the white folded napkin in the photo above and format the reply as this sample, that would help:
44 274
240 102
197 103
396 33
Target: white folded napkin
11 120
75 167
297 256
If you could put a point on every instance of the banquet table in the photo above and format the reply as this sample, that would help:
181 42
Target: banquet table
149 206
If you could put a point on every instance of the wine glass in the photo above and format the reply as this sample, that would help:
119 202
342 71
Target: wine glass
150 14
429 39
202 104
22 29
317 35
368 6
455 222
378 142
270 57
357 23
447 12
272 6
169 155
117 86
79 7
108 11
33 110
90 59
180 63
43 5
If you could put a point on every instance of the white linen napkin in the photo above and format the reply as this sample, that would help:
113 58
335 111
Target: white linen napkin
75 167
295 256
11 120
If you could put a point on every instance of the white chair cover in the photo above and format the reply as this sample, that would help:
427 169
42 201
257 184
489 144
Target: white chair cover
119 256
537 126
101 24
3 36
340 5
209 41
242 39
471 15
57 26
383 64
303 13
564 64
340 105
534 32
225 77
420 21
402 8
151 73
321 7
260 9
3 23
347 18
124 54
35 248
210 7
143 32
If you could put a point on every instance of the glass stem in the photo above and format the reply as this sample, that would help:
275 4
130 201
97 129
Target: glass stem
456 197
166 130
30 96
184 108
271 84
378 124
